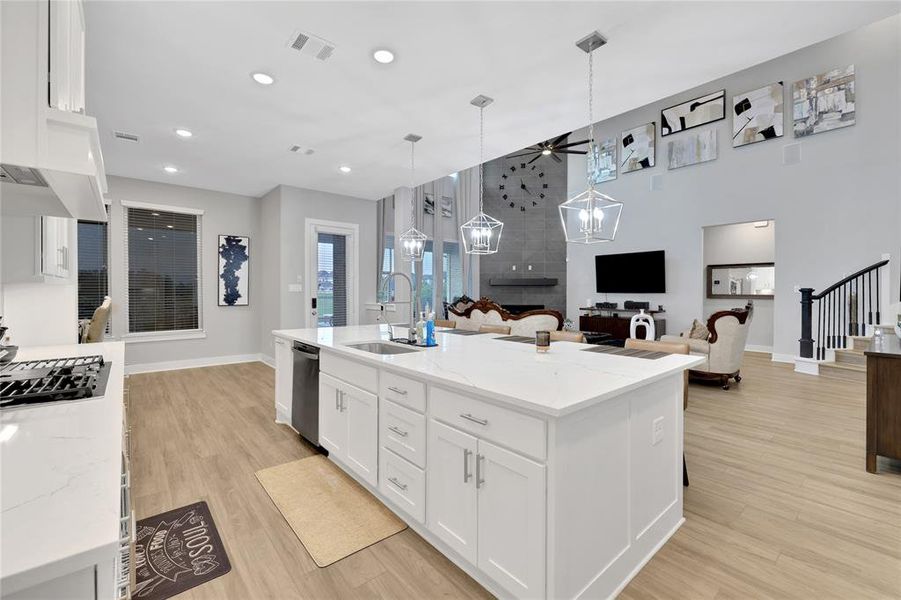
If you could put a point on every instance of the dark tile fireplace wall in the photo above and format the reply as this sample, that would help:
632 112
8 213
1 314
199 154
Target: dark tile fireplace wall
531 237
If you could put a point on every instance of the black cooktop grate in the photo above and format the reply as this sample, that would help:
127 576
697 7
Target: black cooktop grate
48 380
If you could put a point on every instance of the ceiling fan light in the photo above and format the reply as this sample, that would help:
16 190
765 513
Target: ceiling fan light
546 152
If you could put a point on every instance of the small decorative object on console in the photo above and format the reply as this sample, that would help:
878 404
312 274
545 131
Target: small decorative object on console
606 305
633 305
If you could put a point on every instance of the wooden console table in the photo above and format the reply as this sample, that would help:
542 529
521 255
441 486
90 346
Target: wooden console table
883 400
618 326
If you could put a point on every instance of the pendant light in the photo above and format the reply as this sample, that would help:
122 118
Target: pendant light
412 241
590 217
482 233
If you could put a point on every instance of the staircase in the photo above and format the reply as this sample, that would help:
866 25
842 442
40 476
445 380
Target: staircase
843 317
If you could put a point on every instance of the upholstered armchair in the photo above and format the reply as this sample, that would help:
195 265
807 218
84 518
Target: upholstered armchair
723 349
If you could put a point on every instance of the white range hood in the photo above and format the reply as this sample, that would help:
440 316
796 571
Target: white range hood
50 157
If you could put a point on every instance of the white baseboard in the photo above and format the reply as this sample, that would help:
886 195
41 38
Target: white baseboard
267 360
756 348
783 358
193 363
808 366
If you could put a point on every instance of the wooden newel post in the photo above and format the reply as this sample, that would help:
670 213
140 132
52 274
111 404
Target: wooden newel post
806 323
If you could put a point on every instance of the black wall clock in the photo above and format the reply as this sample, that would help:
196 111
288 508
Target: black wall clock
522 185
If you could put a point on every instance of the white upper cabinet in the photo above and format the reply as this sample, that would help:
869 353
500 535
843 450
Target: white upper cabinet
55 254
49 149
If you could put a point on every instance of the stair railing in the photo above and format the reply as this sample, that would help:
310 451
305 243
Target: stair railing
843 309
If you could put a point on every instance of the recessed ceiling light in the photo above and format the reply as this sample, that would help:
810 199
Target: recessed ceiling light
170 169
344 169
383 56
263 78
185 133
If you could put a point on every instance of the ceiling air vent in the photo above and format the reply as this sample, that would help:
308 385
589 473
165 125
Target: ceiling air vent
127 137
311 45
301 150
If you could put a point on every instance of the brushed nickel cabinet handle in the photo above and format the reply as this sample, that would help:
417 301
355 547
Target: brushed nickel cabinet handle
469 417
399 485
398 431
479 481
397 390
466 474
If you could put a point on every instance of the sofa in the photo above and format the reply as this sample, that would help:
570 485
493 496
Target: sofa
723 348
487 312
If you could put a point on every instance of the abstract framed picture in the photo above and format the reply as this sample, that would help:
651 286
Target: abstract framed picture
758 115
428 203
447 207
691 150
602 161
693 113
638 148
824 102
234 270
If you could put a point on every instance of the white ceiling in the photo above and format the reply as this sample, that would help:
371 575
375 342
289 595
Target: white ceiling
155 66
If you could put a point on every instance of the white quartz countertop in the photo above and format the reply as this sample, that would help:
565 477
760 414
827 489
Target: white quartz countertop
564 380
60 471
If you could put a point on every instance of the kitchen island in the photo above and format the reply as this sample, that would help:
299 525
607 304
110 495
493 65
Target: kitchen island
552 475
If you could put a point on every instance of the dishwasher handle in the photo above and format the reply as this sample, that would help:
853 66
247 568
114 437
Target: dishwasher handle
310 352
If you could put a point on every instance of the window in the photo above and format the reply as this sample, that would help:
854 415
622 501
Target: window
387 267
452 271
331 285
427 282
163 259
93 267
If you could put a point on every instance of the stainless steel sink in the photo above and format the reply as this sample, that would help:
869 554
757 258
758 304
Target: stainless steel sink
382 348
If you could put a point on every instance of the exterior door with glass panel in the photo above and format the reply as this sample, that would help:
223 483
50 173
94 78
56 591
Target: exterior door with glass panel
332 275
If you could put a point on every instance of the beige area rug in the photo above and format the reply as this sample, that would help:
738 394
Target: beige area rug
333 515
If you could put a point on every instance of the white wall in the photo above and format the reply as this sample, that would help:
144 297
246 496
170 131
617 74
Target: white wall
735 244
837 211
230 330
291 206
270 269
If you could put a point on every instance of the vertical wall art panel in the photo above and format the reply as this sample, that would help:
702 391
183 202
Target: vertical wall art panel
757 115
824 102
637 148
693 113
602 161
234 270
693 149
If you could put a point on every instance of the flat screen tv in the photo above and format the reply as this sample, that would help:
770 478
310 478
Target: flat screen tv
632 273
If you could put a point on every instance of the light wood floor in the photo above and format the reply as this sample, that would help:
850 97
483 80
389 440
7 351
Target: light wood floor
779 506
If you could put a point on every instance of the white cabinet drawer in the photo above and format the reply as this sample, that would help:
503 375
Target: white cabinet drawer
408 392
509 428
403 484
403 431
360 375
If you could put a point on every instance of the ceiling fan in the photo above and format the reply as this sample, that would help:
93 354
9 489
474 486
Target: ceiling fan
552 148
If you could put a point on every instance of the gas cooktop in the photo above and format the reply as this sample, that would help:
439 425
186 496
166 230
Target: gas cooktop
52 380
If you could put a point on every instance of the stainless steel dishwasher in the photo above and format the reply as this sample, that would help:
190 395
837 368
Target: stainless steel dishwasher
305 395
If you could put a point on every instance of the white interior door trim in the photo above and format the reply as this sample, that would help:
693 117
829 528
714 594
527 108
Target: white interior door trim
313 228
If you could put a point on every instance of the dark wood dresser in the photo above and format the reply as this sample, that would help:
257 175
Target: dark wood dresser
883 400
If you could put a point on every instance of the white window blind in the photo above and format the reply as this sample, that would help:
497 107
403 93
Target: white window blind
93 267
162 250
331 296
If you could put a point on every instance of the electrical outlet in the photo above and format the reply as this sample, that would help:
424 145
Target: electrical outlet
657 431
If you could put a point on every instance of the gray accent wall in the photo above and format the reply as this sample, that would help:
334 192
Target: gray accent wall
533 237
836 211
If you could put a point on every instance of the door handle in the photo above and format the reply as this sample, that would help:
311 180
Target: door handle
343 403
469 417
466 474
397 430
338 401
399 485
479 480
398 391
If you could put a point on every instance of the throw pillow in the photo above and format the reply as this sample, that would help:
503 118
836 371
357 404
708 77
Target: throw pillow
699 331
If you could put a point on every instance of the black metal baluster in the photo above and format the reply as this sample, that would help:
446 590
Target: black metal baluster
830 338
846 312
870 296
820 330
878 300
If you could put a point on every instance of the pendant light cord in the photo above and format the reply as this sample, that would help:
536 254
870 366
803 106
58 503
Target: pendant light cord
591 110
481 156
412 185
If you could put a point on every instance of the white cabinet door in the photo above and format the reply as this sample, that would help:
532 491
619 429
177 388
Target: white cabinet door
332 418
55 246
284 380
62 243
451 511
361 409
67 43
511 520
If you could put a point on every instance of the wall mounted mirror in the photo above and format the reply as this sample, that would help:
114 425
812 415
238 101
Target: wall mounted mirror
754 280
